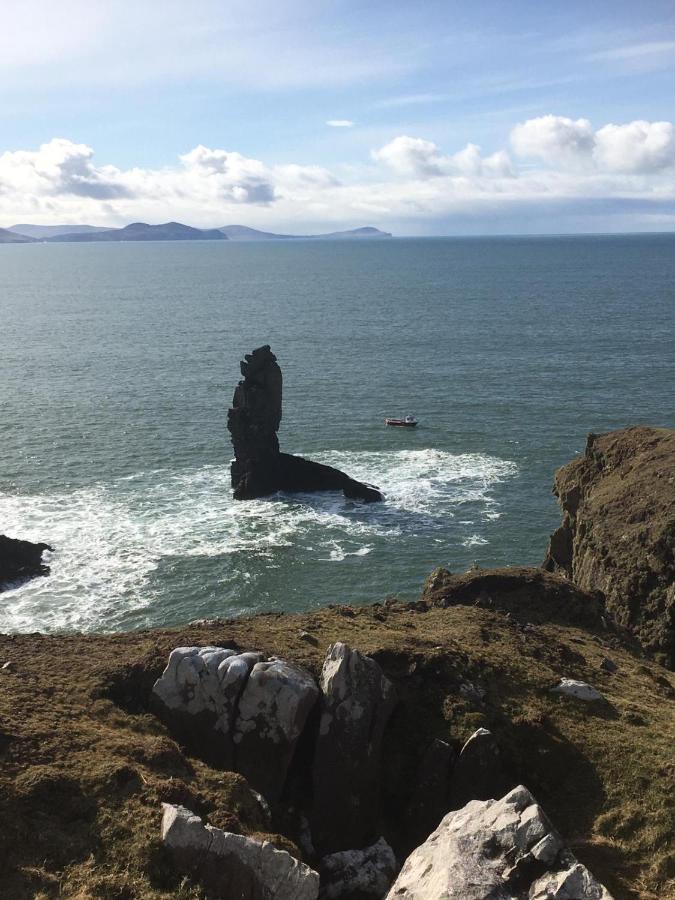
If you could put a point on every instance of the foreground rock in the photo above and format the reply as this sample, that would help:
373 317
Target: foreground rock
236 711
259 468
197 696
364 874
495 850
273 710
231 865
618 530
356 704
20 560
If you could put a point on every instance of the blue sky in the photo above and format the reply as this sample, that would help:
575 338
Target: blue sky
217 112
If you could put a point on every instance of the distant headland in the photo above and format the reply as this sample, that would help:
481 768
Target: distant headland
169 231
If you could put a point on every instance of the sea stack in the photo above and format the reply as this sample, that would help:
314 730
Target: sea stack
259 468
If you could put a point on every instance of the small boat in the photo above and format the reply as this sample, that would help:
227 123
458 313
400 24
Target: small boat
408 422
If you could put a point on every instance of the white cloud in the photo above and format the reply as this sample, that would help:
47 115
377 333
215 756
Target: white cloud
340 123
418 158
554 139
636 147
409 179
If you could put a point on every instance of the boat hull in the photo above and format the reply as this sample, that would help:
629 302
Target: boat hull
399 423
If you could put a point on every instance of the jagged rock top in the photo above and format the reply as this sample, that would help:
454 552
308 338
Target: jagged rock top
496 850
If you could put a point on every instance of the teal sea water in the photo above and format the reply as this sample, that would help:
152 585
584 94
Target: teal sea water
118 364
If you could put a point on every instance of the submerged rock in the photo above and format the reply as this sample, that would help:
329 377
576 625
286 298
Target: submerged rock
231 865
366 873
356 704
495 850
259 468
618 530
20 560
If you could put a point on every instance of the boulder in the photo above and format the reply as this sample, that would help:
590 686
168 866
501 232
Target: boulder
259 468
362 874
355 708
231 865
20 560
618 530
197 696
580 690
478 773
272 713
495 850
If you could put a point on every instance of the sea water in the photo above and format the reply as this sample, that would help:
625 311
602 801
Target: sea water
118 363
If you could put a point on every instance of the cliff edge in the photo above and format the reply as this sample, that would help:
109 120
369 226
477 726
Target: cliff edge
617 535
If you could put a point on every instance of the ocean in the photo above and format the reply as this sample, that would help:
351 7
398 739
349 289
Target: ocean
119 362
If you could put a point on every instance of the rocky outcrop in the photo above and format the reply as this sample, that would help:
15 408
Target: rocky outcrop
259 468
273 710
364 874
20 560
197 696
236 711
527 594
356 705
495 850
617 535
231 865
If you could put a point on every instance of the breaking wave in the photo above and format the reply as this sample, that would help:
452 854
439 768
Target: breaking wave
124 545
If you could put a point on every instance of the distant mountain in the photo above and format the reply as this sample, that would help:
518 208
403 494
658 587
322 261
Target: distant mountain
42 232
10 237
243 233
140 231
170 231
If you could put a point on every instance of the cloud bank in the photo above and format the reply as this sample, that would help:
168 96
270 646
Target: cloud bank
551 160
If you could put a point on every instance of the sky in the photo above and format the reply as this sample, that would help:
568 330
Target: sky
307 115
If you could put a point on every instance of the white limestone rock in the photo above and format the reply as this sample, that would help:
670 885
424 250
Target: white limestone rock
273 709
495 850
197 696
580 690
366 873
231 865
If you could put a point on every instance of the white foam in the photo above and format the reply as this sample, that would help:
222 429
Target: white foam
111 537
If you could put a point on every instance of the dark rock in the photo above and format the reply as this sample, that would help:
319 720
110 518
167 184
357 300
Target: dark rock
478 773
259 468
430 799
20 560
356 705
608 665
